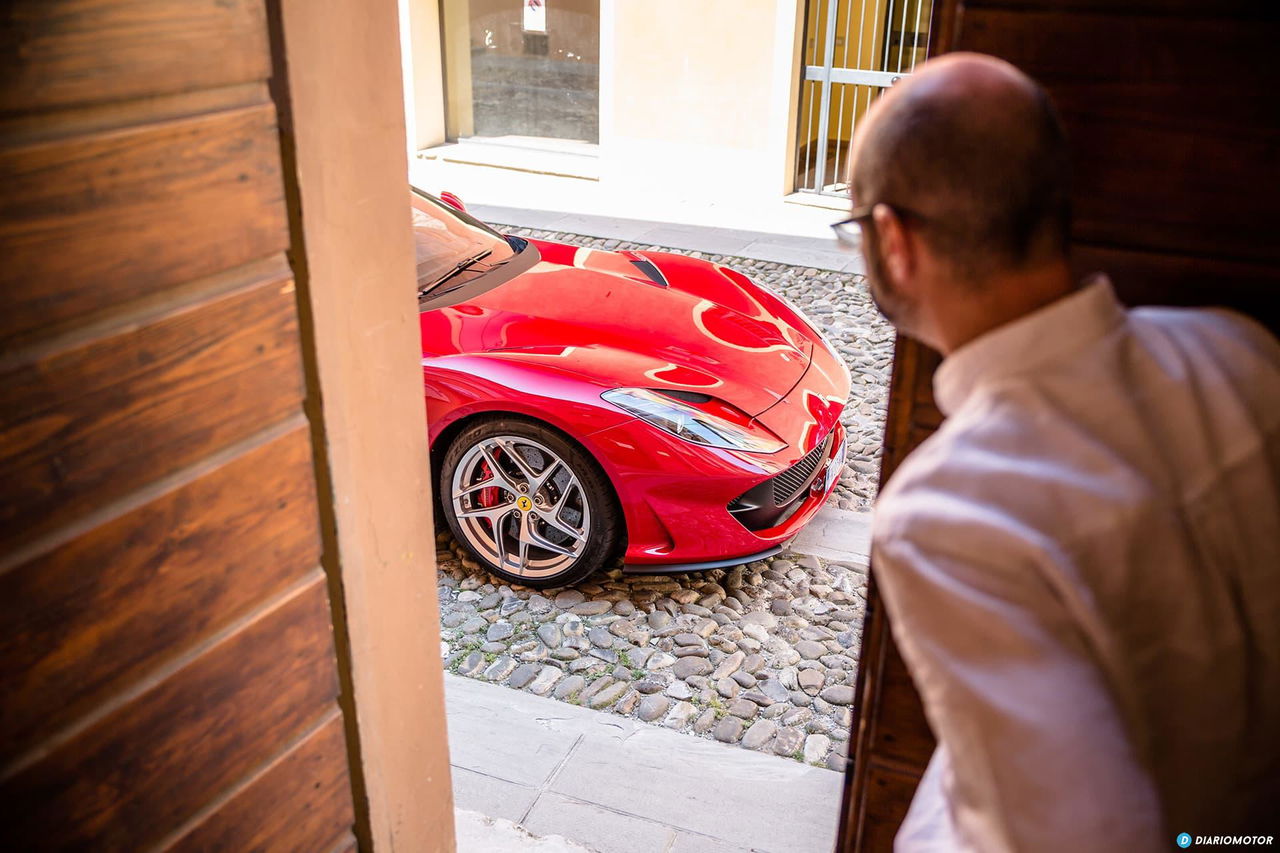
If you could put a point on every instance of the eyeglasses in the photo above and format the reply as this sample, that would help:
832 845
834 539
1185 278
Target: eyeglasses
849 231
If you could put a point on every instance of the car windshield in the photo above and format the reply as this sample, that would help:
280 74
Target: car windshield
453 247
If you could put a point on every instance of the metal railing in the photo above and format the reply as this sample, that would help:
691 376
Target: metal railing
854 50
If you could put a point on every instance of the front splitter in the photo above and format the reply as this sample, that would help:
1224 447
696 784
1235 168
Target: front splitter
673 568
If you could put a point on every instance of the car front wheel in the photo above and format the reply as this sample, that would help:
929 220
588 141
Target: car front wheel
530 506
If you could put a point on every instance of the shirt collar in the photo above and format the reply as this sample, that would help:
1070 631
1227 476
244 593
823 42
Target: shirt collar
1071 323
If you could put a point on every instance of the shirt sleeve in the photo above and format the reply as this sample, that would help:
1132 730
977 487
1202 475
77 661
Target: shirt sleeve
1039 755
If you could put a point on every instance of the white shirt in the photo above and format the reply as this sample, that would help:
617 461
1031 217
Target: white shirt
1082 571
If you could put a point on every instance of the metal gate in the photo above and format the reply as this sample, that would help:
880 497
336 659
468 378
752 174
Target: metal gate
854 49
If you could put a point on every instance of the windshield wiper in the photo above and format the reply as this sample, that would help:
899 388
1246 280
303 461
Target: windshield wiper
460 267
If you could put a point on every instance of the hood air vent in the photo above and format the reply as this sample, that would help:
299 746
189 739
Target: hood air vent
651 272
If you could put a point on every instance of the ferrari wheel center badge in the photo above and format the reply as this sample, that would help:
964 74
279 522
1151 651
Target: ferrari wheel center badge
523 503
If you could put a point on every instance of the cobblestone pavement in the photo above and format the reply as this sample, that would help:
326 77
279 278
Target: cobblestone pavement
840 307
763 655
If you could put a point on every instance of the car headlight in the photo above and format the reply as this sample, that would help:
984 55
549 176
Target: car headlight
690 423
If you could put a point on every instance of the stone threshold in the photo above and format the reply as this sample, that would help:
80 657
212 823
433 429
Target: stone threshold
619 786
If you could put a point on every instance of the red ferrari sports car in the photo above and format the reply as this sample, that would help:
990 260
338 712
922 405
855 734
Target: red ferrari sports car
583 403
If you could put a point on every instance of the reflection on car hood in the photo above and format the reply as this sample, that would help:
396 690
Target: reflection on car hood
596 314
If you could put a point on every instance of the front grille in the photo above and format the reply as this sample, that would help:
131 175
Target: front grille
773 501
792 481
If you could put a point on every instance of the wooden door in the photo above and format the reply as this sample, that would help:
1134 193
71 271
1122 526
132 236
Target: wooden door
1173 109
167 654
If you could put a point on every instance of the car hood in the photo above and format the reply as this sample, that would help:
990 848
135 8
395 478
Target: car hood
680 324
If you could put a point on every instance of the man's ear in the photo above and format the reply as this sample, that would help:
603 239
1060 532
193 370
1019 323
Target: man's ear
895 249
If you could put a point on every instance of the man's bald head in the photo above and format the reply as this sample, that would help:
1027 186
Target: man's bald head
975 148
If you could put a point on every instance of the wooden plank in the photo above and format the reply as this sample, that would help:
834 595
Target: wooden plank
1178 191
350 187
924 411
891 790
21 129
82 427
1150 278
190 198
63 52
866 697
899 729
1168 72
302 802
902 384
143 770
1170 155
86 619
890 720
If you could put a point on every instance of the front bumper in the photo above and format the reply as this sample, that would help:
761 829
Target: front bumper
676 497
773 502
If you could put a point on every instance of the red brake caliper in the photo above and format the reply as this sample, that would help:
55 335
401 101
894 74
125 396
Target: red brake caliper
488 496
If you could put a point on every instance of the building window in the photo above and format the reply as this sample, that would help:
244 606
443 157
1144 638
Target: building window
523 68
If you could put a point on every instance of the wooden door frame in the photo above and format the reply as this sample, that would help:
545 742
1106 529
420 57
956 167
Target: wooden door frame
339 90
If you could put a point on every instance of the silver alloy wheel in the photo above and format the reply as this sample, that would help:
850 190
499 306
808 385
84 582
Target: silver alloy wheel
521 506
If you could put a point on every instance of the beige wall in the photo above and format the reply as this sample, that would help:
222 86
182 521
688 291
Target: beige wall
699 97
423 79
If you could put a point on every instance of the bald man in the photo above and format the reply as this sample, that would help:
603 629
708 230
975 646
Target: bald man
1082 566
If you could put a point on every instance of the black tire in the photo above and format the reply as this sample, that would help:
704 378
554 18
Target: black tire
514 522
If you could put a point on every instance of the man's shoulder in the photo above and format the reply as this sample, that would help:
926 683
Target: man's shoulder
957 497
999 431
1227 362
1065 451
962 468
1012 462
1212 329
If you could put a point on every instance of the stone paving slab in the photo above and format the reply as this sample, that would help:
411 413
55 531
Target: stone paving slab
565 163
721 241
619 786
836 534
599 828
803 256
819 252
541 748
495 796
706 788
478 833
686 843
